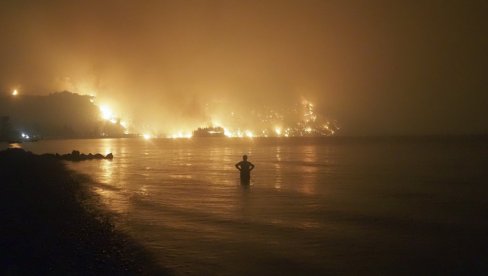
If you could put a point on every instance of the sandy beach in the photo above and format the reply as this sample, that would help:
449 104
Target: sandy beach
52 223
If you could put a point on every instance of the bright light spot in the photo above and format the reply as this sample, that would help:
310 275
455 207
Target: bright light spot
308 129
278 131
147 136
113 121
228 133
124 124
15 92
180 135
23 135
249 133
107 113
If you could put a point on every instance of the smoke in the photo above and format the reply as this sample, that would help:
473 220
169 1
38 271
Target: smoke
172 65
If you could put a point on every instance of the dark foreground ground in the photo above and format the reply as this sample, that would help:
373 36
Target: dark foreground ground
47 227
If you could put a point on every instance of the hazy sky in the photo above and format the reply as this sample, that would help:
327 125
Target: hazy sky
377 67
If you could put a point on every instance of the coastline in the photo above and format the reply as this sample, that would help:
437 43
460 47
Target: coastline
49 227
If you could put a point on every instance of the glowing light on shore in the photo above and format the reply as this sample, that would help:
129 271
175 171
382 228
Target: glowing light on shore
228 133
15 92
287 132
299 120
278 131
180 135
238 133
106 112
108 115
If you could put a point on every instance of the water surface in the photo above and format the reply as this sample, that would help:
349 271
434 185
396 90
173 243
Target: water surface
362 205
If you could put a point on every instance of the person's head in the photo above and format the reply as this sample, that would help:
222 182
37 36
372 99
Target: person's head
244 157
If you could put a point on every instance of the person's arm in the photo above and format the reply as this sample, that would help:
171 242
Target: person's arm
251 166
237 166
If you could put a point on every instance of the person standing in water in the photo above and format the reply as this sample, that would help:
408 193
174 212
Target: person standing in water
245 167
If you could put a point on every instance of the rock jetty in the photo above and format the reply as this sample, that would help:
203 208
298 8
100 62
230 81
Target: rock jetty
77 156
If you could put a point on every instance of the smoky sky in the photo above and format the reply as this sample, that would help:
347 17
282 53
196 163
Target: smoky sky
375 67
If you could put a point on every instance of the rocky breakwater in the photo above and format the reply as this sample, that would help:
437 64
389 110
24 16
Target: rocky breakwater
77 156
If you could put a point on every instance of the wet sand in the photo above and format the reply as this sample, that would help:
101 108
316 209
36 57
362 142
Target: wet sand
52 223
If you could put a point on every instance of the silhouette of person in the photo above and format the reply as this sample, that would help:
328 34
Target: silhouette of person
245 167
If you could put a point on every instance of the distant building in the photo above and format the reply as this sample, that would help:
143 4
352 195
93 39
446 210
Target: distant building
209 132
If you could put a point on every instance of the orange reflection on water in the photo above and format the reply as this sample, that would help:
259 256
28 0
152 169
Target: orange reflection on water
310 168
113 199
111 174
107 146
278 172
107 172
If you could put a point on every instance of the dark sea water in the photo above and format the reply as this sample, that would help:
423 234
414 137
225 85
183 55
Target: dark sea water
314 206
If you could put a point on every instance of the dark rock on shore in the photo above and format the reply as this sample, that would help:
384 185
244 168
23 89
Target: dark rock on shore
48 227
77 156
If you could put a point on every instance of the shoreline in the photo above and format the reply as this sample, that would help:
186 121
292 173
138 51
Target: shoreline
53 223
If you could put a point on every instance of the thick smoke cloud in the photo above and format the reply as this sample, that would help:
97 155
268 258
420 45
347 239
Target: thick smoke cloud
375 67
